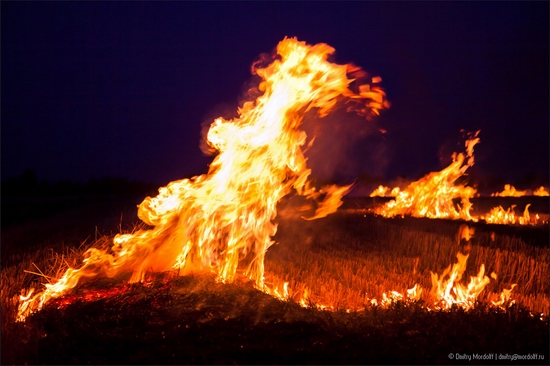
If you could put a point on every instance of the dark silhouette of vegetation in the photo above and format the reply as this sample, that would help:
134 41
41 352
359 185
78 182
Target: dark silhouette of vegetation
26 197
28 185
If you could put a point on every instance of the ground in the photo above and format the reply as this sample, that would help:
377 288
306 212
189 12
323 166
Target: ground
196 320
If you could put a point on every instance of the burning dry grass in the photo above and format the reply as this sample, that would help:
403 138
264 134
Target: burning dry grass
343 260
346 260
196 320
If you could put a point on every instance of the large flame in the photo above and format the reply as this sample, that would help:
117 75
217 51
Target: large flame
222 221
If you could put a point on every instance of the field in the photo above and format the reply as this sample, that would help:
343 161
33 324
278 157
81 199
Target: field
343 260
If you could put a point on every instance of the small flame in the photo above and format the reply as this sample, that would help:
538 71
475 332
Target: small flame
414 293
381 191
541 191
447 289
432 196
509 191
498 215
504 297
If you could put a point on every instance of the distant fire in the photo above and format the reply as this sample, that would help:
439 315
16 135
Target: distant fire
541 191
383 191
435 195
432 196
509 191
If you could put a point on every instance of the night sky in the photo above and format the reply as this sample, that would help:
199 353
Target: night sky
121 89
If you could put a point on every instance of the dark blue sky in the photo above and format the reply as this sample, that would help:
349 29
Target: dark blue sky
94 89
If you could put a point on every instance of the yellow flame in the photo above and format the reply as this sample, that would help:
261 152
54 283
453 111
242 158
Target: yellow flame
509 191
447 289
504 297
498 215
222 221
541 191
435 195
432 196
381 191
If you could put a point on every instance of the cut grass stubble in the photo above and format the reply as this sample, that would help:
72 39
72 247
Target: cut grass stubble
343 260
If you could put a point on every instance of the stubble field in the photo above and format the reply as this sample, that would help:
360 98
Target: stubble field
343 260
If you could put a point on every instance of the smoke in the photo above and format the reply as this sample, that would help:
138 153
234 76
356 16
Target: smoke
250 91
341 146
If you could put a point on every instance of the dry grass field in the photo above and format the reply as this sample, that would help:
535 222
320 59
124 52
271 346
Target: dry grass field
343 260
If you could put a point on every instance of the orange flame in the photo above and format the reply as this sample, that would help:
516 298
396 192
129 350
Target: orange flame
541 191
222 221
447 289
509 191
383 191
498 215
432 196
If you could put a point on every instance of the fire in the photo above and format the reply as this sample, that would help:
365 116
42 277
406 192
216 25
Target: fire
221 221
448 291
383 191
498 215
509 191
432 196
541 191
